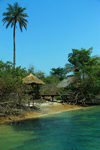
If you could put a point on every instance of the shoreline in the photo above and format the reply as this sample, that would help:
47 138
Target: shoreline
45 110
52 109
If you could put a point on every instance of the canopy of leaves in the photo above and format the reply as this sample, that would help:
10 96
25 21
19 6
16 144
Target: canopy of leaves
15 14
78 59
60 72
7 70
10 78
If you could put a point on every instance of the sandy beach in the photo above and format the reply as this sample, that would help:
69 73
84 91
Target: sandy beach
45 109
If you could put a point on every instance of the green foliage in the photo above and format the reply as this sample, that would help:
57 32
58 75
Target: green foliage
39 74
90 84
6 69
86 70
93 80
51 79
78 59
58 97
60 72
31 69
11 81
9 89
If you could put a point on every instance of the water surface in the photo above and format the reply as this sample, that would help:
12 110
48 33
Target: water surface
71 130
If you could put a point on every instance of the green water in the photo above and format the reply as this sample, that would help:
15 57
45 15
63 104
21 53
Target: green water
73 130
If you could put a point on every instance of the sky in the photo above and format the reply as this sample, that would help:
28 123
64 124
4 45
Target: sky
54 28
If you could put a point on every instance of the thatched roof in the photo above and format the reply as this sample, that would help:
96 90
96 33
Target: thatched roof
66 82
32 79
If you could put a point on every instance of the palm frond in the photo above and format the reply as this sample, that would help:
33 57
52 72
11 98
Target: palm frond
10 8
6 19
16 6
22 9
22 22
15 14
23 15
9 22
20 25
12 24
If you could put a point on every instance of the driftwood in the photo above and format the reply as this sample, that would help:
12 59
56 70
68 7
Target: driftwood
10 118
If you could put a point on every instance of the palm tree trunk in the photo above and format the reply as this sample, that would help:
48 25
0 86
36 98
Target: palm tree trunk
14 46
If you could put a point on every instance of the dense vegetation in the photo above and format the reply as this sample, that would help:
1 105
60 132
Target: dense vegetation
13 93
86 86
86 70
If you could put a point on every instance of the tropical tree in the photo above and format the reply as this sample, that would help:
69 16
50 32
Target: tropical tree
59 72
86 68
78 59
15 14
50 79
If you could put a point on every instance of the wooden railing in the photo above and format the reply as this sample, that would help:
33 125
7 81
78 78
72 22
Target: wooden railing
53 95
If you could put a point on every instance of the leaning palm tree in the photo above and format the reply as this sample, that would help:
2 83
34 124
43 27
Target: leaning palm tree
15 14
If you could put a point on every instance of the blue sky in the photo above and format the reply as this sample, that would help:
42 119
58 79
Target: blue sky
55 27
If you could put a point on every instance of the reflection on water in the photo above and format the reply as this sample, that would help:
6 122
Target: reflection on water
73 130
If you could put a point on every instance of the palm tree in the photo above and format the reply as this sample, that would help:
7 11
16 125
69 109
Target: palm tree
15 14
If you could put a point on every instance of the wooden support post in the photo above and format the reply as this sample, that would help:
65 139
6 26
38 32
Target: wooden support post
52 97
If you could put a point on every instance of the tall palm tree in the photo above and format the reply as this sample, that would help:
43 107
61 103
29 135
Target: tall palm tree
15 14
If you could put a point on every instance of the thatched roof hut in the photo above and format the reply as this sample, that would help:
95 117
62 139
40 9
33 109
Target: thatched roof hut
31 79
65 83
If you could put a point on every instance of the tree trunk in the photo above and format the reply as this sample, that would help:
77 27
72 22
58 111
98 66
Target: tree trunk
14 46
